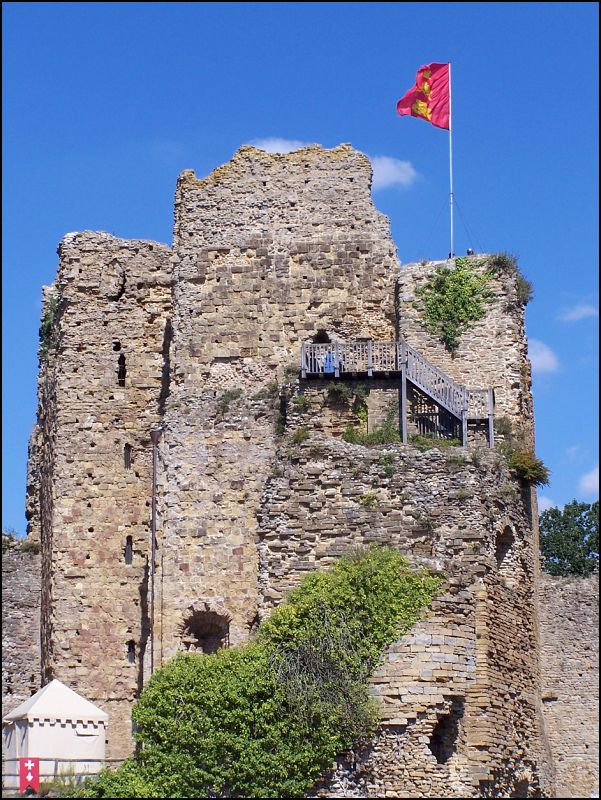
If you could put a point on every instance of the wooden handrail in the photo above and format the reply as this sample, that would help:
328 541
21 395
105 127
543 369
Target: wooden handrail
370 357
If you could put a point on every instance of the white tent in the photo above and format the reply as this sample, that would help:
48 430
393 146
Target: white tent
58 726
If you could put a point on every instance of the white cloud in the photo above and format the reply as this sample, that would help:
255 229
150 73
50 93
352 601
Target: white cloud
545 503
573 451
392 172
274 144
589 482
575 313
543 359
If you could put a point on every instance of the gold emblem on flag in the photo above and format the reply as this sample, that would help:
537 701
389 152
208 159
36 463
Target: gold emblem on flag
422 109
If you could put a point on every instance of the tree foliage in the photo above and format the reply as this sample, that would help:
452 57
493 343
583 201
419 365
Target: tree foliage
569 539
267 719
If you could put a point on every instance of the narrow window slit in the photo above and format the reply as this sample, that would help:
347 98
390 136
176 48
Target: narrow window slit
121 371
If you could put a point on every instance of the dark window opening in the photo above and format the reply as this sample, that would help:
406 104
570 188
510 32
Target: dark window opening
321 337
121 371
127 456
129 550
503 546
443 740
131 651
205 632
520 788
116 346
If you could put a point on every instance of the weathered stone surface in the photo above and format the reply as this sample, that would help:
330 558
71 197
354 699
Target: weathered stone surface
569 609
20 625
202 340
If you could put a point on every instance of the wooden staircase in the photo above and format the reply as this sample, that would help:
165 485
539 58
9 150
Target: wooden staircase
398 358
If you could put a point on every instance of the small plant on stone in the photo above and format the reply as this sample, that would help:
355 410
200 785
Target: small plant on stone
477 457
459 461
47 332
269 392
291 371
386 461
280 424
462 494
301 401
29 546
300 435
528 467
427 442
338 396
9 538
503 262
369 500
223 404
506 263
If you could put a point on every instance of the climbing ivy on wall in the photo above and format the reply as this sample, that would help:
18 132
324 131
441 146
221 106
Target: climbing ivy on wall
453 300
267 719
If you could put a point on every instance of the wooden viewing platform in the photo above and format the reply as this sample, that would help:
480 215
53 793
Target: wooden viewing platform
398 358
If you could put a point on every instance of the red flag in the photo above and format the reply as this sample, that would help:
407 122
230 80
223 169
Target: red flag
430 97
29 774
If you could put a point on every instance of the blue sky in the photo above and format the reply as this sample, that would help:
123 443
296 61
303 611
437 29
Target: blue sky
105 103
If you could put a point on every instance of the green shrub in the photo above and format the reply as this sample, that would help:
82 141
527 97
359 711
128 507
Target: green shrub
427 442
386 433
266 720
386 461
47 333
527 467
300 435
507 263
269 392
223 404
301 401
338 395
525 290
9 538
503 262
453 300
127 781
280 423
369 500
29 546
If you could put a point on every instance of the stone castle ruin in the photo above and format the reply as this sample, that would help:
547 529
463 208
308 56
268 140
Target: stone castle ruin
187 469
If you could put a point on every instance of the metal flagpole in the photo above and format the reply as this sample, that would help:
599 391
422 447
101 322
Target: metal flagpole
452 253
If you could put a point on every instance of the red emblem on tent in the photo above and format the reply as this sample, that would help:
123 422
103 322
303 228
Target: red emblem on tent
29 774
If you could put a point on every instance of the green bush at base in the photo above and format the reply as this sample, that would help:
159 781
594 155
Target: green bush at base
267 719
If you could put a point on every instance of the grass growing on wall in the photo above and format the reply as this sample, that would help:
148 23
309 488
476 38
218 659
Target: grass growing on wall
267 719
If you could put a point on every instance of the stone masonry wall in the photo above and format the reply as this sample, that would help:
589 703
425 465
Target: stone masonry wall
492 353
20 625
569 610
202 342
269 250
469 669
100 395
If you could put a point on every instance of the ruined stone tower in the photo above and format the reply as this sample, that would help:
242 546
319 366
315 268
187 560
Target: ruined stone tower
175 506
